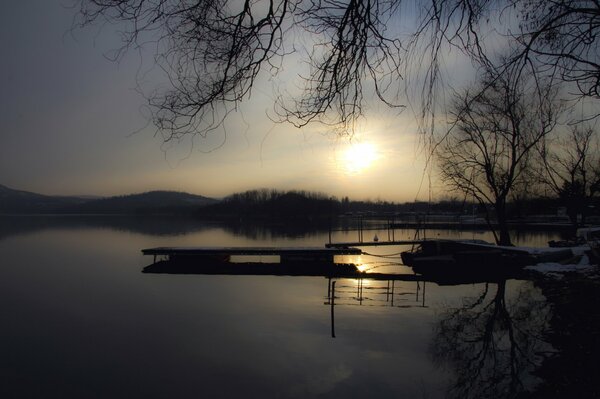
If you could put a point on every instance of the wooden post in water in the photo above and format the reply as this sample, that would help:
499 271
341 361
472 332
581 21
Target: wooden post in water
332 305
422 293
387 292
360 291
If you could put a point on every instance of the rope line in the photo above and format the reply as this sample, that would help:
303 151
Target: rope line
396 254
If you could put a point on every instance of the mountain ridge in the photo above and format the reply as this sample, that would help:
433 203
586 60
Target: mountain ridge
13 201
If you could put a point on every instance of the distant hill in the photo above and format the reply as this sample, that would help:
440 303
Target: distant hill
149 202
17 201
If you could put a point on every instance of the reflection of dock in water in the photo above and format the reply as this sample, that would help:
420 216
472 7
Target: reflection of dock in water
309 269
376 292
387 290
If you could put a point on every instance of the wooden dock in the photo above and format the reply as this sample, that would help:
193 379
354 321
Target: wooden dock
286 254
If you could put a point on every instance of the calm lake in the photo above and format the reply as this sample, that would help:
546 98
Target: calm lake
81 320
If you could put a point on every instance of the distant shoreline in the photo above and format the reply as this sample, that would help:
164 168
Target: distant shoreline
374 222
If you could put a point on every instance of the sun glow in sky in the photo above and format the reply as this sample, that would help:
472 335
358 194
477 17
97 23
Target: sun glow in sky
359 157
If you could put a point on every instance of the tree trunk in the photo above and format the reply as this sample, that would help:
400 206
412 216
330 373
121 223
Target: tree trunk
503 234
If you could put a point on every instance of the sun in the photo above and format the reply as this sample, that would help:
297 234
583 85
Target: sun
359 157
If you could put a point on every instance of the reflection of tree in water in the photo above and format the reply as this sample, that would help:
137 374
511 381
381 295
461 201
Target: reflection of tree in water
273 229
491 346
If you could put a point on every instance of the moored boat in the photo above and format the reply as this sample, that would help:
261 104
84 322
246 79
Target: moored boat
475 257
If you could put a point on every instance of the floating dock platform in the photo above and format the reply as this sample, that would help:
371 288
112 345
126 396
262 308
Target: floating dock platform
286 254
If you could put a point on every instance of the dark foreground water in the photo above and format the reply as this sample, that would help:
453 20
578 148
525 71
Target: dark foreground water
80 320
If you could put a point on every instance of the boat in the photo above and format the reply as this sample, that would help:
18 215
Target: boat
477 258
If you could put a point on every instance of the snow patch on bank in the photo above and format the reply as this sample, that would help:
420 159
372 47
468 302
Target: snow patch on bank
557 270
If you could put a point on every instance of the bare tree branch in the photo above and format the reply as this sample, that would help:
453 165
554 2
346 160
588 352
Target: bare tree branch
214 52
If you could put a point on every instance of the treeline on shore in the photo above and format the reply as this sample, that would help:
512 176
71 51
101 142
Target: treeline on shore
267 203
273 204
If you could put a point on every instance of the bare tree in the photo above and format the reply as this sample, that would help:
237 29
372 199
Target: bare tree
571 170
486 153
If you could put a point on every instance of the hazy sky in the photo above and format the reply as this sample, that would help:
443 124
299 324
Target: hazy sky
73 123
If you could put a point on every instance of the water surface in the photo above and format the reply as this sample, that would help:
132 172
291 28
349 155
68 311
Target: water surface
80 319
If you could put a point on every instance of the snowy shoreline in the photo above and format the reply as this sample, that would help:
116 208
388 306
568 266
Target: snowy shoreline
557 270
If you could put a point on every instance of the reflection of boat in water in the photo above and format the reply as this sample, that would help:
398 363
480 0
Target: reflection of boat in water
476 259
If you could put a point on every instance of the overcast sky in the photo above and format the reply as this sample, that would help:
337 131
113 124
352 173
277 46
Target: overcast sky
74 124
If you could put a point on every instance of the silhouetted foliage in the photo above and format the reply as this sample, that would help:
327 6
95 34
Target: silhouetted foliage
297 205
273 203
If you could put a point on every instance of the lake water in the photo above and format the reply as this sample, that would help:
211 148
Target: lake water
81 320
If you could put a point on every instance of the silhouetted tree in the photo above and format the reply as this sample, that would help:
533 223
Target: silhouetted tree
571 170
487 151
